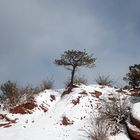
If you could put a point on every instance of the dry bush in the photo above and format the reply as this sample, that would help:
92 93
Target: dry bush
99 130
10 93
115 112
28 93
13 95
80 80
77 81
104 80
46 84
111 118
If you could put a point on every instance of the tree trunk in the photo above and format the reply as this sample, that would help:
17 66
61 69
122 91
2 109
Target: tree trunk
72 77
70 86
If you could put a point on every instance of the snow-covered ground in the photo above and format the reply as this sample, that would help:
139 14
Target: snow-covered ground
77 107
134 122
136 111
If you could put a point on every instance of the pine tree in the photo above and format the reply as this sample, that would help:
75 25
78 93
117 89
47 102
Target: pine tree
133 76
72 59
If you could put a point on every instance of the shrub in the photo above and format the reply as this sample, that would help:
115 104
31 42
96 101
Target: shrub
77 81
46 84
13 95
115 112
99 131
133 76
10 93
104 80
80 80
28 93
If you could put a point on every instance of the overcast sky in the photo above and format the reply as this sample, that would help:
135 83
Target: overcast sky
35 32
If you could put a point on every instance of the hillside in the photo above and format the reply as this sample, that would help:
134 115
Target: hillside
71 117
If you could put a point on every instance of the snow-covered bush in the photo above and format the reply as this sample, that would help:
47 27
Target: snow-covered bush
12 94
115 111
27 93
99 130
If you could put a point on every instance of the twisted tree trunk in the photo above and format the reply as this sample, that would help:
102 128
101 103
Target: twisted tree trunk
72 76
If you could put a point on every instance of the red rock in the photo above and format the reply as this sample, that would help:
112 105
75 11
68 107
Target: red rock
23 109
52 98
97 93
134 134
135 121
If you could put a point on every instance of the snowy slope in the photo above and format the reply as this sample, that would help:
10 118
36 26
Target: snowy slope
136 111
49 124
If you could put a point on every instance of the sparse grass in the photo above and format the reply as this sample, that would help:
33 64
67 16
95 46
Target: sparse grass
104 80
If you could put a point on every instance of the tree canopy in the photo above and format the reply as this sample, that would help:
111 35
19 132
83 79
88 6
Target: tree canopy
133 76
72 59
76 58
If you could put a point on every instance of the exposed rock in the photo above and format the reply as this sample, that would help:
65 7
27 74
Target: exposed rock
97 94
23 109
135 122
134 134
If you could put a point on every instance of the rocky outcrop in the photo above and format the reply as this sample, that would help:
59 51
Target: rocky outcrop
133 131
135 121
7 122
133 126
23 109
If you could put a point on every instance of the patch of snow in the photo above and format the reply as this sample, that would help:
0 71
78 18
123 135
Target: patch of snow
120 136
136 111
132 127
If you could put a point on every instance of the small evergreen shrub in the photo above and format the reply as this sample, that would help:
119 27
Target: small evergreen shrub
133 76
